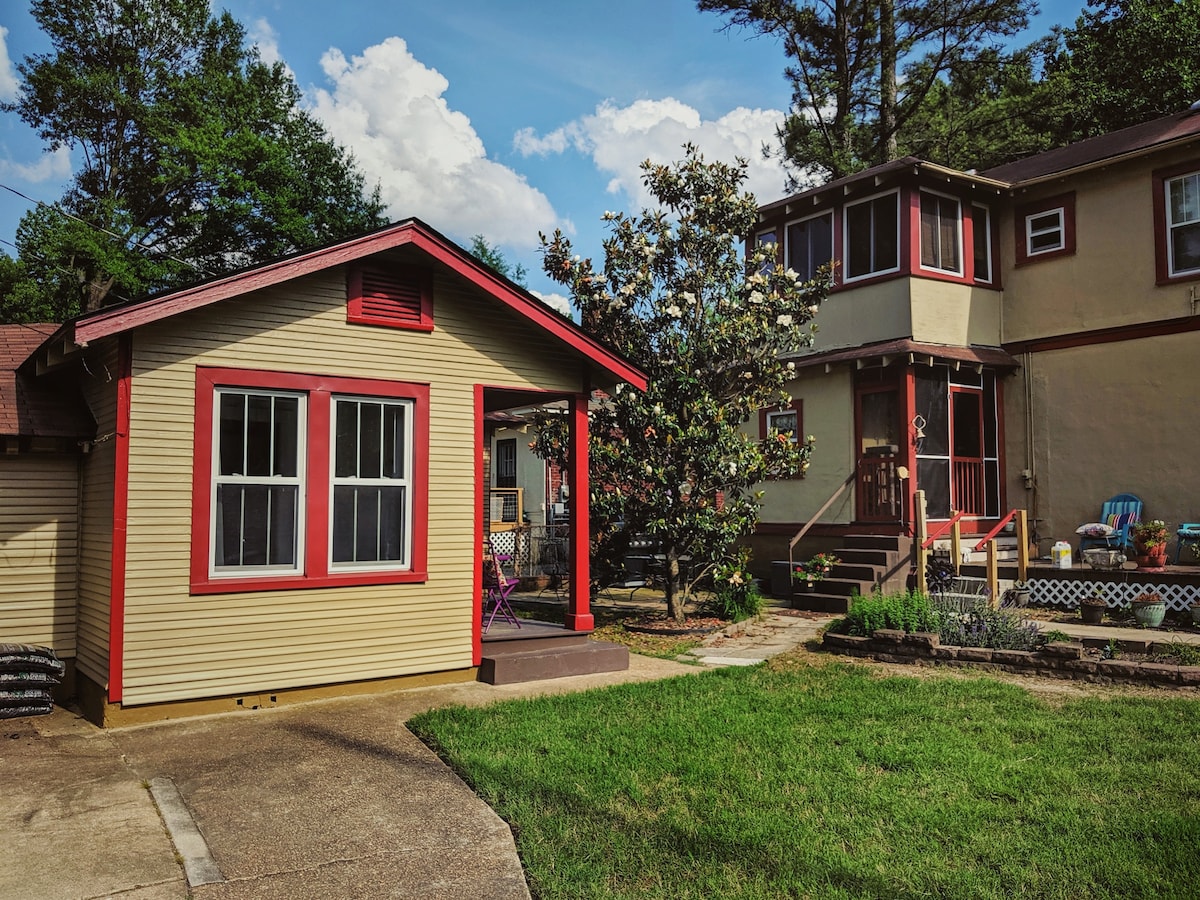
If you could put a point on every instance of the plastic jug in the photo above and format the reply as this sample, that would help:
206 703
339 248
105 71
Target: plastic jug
1060 555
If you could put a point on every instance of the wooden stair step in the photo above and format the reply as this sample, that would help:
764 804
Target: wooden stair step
553 662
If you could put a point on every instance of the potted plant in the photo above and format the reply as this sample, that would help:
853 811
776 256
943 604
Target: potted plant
1150 543
1149 609
1020 594
815 569
1092 607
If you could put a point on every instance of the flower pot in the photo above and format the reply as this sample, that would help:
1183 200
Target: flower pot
1021 597
1091 613
1150 615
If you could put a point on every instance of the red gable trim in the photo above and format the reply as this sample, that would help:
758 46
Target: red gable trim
106 322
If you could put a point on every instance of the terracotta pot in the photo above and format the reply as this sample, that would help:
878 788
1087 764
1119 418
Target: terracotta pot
1091 614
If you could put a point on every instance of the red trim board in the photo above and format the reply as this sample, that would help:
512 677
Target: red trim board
120 536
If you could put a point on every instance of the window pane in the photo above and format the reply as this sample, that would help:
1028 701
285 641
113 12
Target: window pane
258 434
948 236
1185 248
345 440
287 421
1050 240
784 421
393 441
256 525
821 242
1185 199
231 453
370 440
858 239
1044 222
886 249
967 439
929 231
982 231
368 524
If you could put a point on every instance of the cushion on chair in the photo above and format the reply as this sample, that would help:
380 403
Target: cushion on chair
1095 529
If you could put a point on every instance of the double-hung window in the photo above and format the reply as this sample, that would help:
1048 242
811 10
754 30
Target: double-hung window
941 233
810 245
872 236
307 481
1183 224
258 481
371 457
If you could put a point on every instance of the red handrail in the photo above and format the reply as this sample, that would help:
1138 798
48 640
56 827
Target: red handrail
995 531
942 529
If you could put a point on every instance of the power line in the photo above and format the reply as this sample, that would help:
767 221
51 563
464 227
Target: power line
124 240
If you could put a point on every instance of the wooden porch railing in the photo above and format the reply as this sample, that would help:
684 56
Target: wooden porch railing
880 488
988 541
507 508
968 486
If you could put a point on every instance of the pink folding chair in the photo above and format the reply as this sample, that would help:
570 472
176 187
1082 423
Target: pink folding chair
496 588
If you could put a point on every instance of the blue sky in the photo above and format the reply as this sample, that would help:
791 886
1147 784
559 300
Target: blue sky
504 119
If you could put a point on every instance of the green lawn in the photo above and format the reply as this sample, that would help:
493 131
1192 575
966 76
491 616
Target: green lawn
832 781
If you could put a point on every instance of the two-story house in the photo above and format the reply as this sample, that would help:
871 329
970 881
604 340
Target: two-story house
1021 337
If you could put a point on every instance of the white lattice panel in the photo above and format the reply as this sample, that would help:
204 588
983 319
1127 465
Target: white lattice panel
1061 592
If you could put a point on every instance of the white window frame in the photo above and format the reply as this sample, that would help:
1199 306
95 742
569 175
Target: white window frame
404 481
299 480
780 413
1060 213
958 231
847 278
987 241
787 242
1194 221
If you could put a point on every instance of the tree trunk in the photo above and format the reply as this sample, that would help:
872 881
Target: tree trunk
674 587
887 81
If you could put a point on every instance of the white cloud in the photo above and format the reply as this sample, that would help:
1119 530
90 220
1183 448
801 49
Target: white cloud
266 39
8 75
554 301
388 109
619 138
54 166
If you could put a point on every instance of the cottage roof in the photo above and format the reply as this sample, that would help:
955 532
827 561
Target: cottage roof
414 233
910 351
1107 148
30 407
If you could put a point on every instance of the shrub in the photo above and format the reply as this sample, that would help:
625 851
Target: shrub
903 611
735 593
1053 636
983 626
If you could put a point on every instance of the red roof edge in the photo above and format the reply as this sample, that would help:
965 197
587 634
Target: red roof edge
117 319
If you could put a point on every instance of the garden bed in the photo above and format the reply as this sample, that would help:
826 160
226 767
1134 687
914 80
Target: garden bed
1061 659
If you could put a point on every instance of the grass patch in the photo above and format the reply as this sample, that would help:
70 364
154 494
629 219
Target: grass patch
831 781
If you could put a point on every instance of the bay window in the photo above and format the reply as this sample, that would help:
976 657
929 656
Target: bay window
1183 224
810 245
941 233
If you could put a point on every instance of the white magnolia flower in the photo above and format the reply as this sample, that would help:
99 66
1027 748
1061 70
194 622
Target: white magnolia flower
792 274
791 367
757 278
785 320
688 297
674 311
628 290
733 468
755 297
649 469
814 309
657 409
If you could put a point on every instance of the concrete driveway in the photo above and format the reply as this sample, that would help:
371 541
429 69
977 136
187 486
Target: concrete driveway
327 799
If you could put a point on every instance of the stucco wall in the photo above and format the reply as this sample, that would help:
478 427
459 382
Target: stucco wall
179 646
1107 419
865 314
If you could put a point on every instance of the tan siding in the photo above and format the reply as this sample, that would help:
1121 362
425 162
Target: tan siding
39 529
99 384
179 646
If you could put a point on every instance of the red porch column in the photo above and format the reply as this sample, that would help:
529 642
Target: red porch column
579 614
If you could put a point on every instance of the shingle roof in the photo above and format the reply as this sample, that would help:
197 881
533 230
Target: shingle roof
1109 146
32 407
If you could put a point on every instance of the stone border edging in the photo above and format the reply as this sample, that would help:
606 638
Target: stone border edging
1061 659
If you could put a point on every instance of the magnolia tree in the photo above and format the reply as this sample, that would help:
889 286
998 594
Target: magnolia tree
677 296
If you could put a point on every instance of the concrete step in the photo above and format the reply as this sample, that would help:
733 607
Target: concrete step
552 662
867 557
856 572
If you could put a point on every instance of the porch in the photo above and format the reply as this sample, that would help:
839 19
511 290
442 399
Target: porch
535 651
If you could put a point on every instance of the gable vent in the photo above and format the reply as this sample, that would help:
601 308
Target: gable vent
395 296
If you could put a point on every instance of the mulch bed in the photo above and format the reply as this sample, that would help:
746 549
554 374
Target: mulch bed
660 624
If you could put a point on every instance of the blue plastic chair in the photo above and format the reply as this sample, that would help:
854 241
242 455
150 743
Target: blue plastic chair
1123 508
